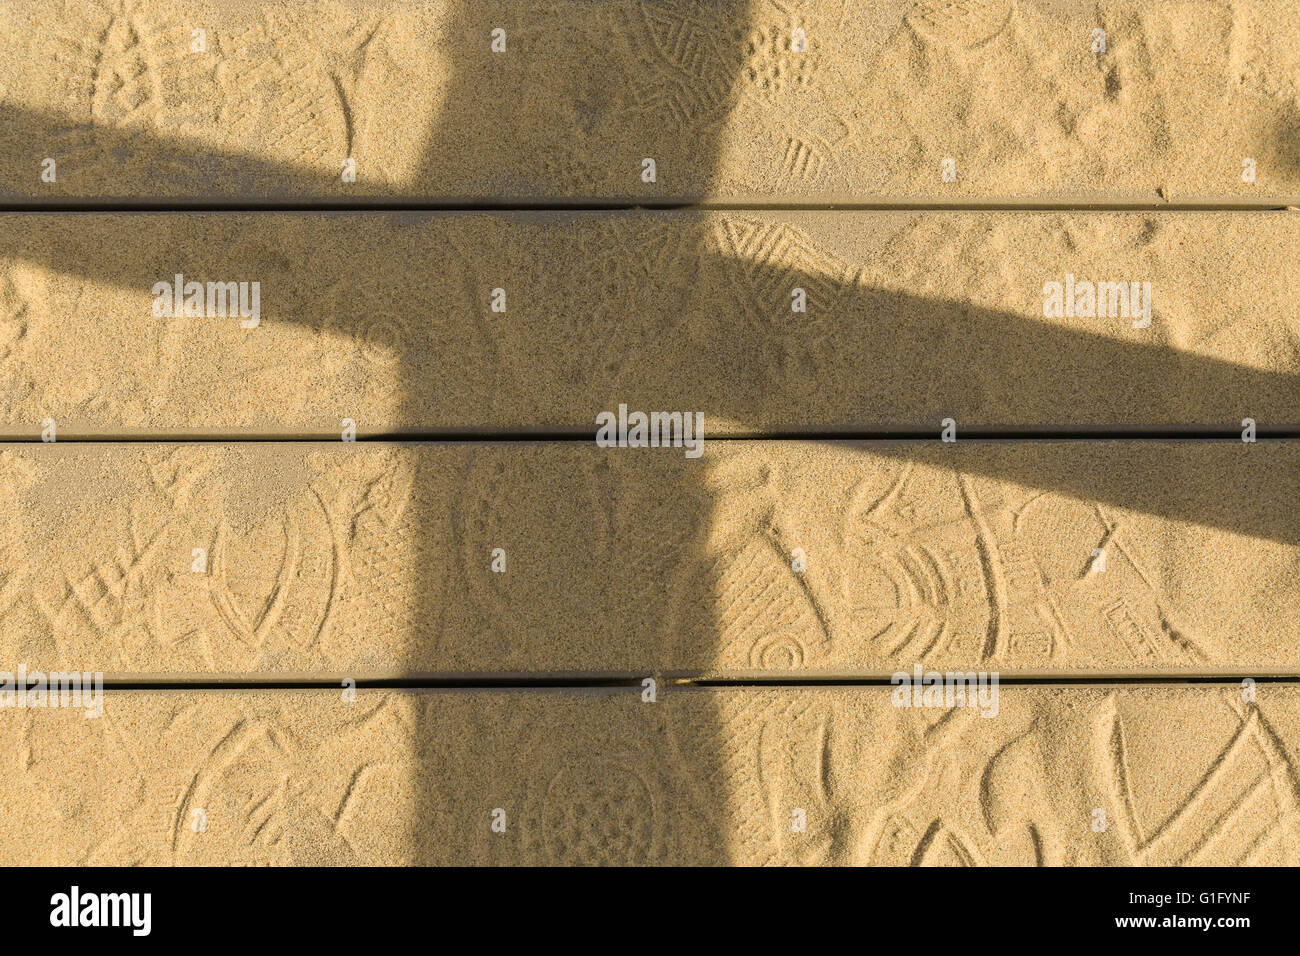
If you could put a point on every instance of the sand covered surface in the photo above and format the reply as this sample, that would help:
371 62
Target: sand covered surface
369 559
835 100
236 235
473 322
1062 775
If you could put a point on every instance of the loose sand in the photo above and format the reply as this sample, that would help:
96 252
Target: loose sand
1069 775
388 321
868 102
335 560
371 559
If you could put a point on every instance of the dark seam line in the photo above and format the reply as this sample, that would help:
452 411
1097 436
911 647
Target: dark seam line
1044 435
392 683
517 205
581 683
1080 680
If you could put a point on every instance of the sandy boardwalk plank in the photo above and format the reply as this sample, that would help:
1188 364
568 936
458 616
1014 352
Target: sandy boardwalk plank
763 322
375 559
1057 775
826 100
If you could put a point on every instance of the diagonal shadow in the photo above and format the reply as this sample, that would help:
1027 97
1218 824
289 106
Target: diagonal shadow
883 348
183 168
989 370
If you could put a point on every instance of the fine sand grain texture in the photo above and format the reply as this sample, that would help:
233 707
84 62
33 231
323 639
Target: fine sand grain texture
394 323
755 100
1061 775
369 559
310 311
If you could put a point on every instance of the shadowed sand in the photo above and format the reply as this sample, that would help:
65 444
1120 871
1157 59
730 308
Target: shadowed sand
866 106
702 776
288 92
376 560
388 320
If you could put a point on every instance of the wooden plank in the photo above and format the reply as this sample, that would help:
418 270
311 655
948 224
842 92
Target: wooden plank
866 104
1060 775
389 321
369 559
